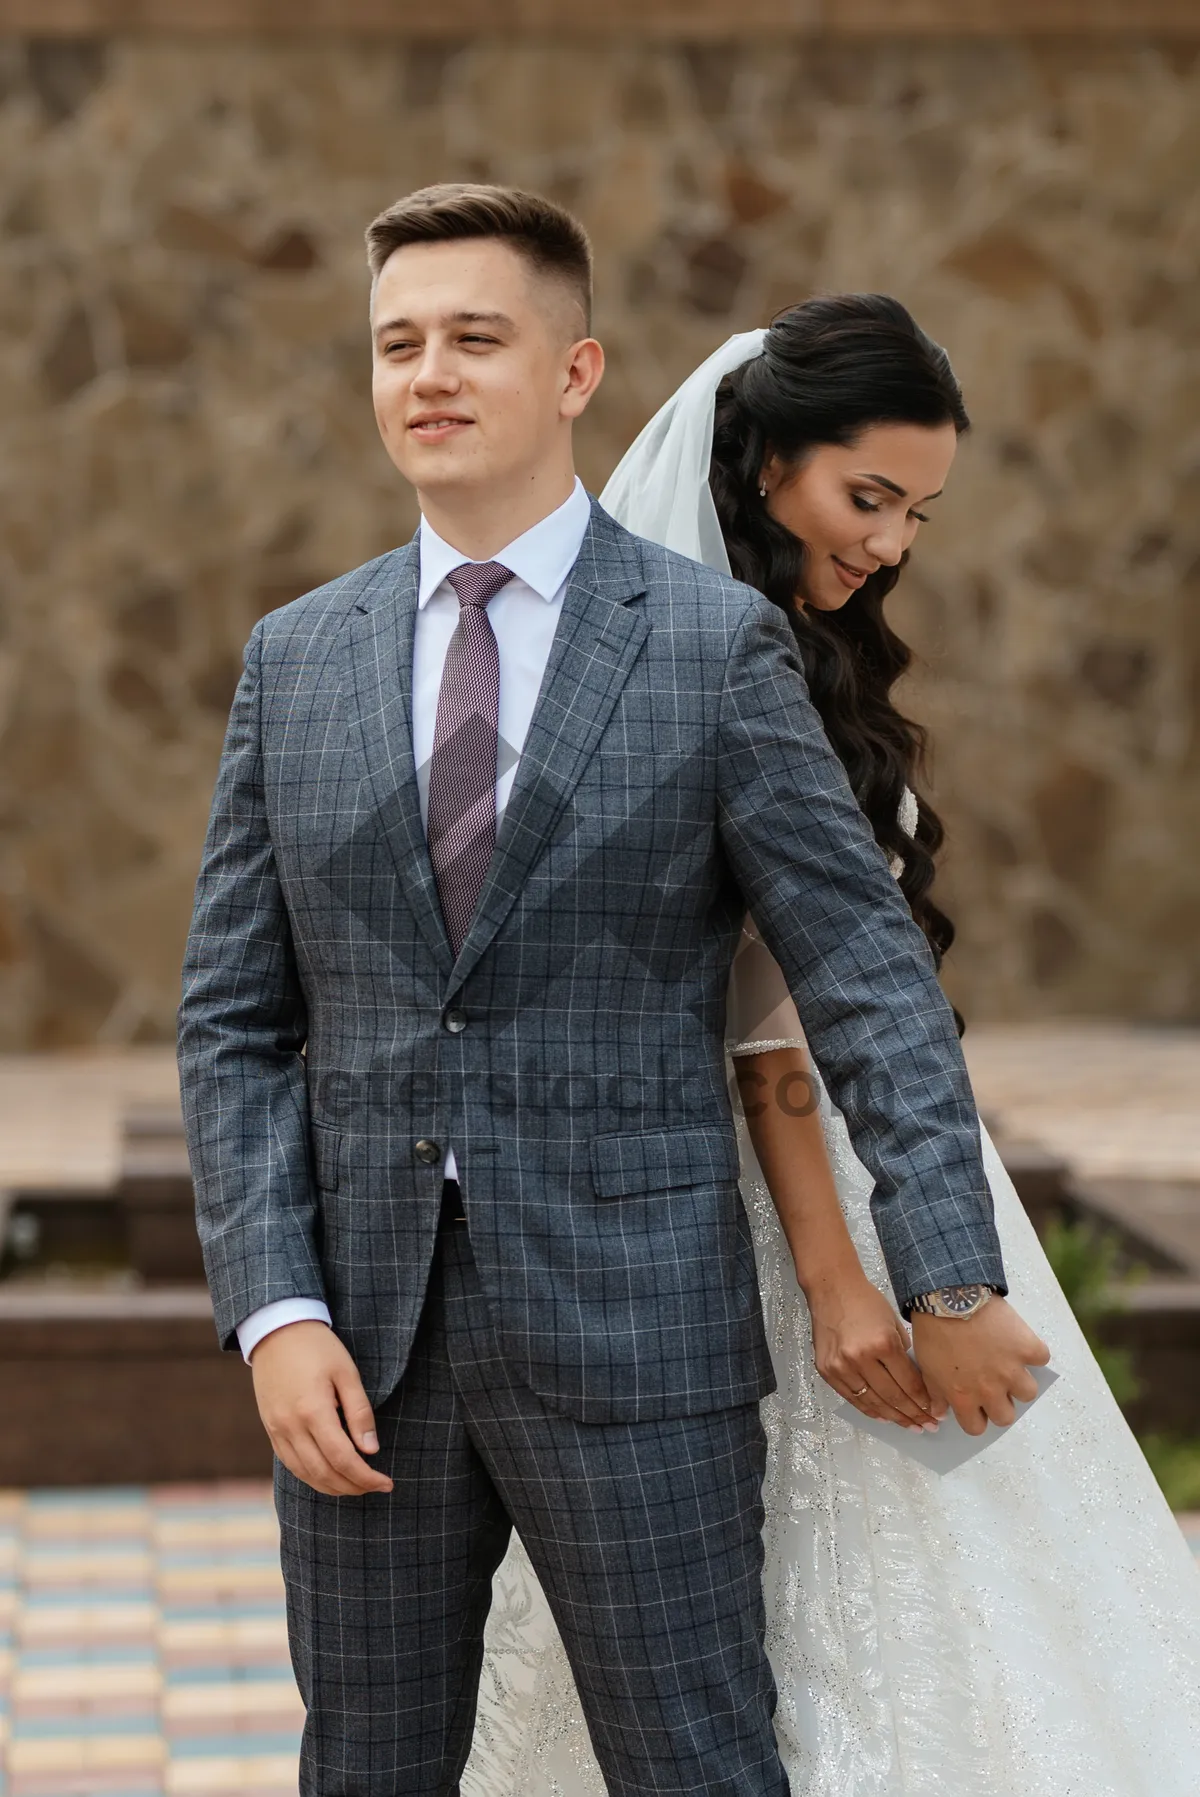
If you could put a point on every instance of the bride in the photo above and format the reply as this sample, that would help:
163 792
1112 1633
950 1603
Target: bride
1026 1624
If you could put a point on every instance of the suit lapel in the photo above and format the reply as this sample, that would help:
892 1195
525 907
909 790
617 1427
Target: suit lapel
596 643
381 652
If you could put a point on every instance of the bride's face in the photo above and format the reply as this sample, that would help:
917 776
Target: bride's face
858 509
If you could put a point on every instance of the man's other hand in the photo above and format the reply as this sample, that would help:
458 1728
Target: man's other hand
303 1376
977 1365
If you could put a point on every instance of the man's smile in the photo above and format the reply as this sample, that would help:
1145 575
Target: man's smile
434 426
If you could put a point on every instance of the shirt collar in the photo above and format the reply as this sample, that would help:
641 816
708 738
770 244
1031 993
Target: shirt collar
542 557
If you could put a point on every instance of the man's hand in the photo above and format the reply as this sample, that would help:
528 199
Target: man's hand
302 1375
977 1365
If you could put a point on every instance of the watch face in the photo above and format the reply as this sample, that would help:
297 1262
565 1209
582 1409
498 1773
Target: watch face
961 1300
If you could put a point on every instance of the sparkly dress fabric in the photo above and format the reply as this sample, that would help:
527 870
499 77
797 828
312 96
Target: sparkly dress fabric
1027 1625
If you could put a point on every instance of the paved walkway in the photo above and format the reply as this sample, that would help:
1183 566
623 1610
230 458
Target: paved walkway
1113 1100
143 1651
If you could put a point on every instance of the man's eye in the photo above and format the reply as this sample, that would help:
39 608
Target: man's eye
389 347
477 339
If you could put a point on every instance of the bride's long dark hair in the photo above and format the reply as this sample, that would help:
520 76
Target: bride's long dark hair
831 369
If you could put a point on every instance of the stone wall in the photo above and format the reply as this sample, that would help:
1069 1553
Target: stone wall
186 437
691 20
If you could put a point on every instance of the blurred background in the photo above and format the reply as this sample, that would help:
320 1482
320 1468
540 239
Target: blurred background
187 438
186 441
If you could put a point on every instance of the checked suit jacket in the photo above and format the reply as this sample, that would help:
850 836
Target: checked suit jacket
674 775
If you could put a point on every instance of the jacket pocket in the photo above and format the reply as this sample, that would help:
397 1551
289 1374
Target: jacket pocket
327 1156
654 1160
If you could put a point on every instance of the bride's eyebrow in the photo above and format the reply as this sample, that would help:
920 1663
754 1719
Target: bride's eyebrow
883 481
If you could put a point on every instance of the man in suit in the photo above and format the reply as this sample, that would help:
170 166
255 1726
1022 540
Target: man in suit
490 812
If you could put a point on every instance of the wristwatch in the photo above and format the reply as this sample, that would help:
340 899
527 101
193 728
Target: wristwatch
953 1300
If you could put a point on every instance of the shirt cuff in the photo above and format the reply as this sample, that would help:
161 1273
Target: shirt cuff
269 1317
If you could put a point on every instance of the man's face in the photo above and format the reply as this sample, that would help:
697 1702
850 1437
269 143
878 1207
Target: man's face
474 378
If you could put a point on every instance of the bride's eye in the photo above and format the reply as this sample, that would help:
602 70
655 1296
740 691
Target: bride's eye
864 505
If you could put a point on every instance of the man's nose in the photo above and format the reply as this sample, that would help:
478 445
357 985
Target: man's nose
434 373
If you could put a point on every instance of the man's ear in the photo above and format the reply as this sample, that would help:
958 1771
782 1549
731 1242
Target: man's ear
583 373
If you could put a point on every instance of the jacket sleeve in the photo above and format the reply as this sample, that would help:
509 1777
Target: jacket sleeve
858 967
242 1029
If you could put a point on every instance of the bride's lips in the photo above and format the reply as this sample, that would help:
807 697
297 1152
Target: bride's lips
849 576
435 427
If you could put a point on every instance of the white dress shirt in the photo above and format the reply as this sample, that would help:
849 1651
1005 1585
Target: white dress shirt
524 616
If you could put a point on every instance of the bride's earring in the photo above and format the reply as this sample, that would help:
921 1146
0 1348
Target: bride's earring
762 491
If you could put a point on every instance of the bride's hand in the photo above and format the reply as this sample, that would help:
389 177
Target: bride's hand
861 1350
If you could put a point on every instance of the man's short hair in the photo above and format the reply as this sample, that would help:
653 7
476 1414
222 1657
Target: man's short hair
548 237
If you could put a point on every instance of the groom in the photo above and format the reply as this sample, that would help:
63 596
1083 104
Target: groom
490 811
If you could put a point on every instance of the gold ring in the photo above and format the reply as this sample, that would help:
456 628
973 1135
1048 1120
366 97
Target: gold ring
858 1394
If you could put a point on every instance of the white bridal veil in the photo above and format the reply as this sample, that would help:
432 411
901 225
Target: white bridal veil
659 489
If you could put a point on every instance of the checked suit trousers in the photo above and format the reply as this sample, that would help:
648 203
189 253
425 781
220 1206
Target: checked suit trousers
645 1536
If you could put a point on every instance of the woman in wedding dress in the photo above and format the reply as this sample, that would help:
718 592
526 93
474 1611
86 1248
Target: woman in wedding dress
1026 1623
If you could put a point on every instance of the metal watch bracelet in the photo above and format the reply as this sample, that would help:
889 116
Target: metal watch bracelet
958 1301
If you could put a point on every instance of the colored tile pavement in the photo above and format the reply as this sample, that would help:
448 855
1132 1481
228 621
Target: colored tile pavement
143 1651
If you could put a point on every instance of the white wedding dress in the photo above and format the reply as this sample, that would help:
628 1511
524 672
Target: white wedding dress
1027 1625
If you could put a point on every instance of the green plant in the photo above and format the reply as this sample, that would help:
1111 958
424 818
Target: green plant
1087 1264
1175 1463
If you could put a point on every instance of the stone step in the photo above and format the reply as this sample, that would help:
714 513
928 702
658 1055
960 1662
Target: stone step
154 1191
1159 1323
1163 1214
119 1387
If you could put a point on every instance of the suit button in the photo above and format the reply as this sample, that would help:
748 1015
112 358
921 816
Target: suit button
428 1151
455 1020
